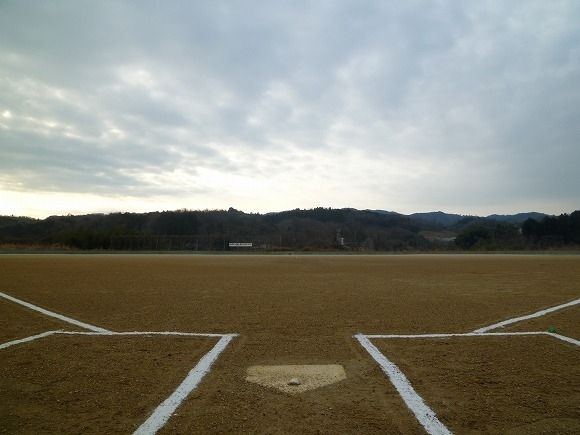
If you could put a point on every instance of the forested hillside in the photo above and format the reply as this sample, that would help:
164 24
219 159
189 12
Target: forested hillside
311 229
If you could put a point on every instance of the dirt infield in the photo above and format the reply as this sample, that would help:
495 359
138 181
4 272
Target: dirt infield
289 310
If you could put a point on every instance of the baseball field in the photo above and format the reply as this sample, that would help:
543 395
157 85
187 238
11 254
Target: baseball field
289 344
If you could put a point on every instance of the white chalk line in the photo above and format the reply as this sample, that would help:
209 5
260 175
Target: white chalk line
166 409
425 415
529 316
563 338
148 333
476 334
52 314
110 334
24 340
464 334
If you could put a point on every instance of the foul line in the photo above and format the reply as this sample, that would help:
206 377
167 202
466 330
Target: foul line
563 338
466 334
474 334
166 409
24 340
529 316
51 314
174 333
425 415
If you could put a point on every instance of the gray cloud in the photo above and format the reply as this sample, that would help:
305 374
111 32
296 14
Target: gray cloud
467 106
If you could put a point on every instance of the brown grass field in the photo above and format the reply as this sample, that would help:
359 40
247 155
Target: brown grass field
289 310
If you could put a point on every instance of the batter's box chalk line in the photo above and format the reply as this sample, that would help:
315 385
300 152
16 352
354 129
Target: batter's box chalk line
166 409
423 413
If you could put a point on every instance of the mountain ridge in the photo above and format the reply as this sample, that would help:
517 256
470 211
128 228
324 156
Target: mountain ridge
450 219
311 229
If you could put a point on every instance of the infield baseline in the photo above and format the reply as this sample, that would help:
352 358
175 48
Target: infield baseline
529 316
165 410
52 314
423 413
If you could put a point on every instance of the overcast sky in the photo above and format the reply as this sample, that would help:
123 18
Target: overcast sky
469 107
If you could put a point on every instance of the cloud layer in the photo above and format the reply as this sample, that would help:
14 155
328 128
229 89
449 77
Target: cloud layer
469 107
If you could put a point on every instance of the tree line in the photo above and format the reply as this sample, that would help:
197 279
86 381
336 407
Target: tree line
560 230
551 232
300 229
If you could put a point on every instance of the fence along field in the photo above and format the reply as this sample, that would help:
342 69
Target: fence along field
145 323
195 243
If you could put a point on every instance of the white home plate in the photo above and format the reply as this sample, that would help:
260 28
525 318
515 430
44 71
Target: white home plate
296 379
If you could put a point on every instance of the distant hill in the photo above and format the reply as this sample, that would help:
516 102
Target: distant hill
6 221
308 229
448 220
517 218
437 217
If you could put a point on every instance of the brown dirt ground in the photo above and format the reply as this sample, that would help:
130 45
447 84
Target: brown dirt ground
516 382
289 309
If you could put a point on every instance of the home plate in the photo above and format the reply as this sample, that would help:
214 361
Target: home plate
296 379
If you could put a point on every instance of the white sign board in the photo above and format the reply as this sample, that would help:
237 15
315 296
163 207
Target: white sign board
240 245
